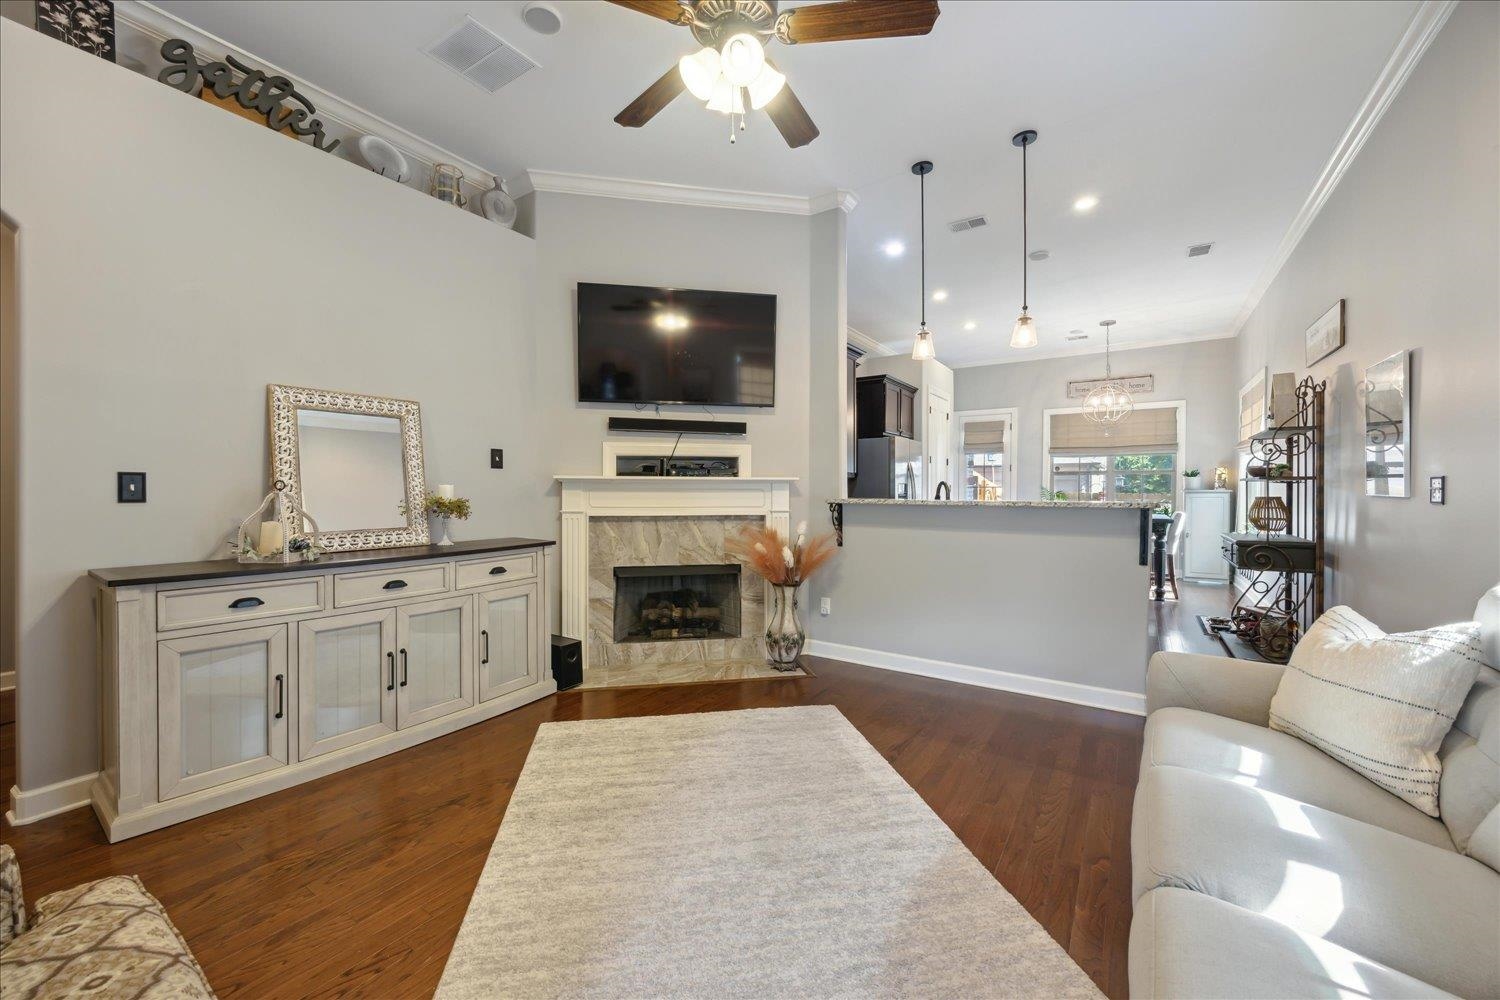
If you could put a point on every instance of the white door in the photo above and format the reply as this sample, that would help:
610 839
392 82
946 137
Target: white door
1207 518
346 681
221 707
510 640
984 454
434 659
940 467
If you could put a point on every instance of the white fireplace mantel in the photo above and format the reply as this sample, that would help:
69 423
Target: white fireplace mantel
652 496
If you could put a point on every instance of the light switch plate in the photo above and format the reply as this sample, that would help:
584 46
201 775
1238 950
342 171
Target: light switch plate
497 458
130 487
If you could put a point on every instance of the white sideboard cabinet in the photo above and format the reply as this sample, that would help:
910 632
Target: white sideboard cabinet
1210 513
224 681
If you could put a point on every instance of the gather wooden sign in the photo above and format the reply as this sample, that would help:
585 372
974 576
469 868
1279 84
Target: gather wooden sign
274 98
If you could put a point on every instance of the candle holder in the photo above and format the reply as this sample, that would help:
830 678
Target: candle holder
446 184
262 538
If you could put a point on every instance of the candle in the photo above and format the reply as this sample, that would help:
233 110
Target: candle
446 492
270 538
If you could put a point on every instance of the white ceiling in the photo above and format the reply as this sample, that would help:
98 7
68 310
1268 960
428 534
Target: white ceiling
1191 122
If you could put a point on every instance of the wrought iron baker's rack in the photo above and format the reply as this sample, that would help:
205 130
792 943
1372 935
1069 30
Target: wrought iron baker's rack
1283 571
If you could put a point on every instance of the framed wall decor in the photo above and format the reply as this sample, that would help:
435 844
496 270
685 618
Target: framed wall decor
84 24
1326 335
354 463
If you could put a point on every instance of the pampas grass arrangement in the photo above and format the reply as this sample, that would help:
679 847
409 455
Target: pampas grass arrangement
777 560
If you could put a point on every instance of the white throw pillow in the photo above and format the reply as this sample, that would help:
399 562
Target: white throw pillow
1380 704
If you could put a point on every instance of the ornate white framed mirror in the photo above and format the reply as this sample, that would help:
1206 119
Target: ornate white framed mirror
353 462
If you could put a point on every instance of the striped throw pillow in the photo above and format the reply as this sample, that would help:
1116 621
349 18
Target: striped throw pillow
1379 704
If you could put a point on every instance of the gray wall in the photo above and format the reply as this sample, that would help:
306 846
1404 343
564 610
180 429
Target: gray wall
1409 240
172 263
610 240
1201 373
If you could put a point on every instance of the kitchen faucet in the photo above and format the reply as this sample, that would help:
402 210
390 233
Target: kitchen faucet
942 492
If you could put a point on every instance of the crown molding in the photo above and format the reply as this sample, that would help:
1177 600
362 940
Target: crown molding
150 20
868 344
1115 349
558 182
1426 23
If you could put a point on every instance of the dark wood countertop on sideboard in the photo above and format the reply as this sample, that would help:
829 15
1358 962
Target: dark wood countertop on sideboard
215 569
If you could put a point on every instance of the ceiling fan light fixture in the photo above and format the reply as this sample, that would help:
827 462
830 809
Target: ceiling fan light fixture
742 58
727 99
765 87
700 71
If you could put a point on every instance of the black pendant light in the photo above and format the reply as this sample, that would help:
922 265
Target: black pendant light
921 348
1023 334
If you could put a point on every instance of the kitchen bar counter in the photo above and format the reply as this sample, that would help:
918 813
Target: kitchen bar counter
1040 504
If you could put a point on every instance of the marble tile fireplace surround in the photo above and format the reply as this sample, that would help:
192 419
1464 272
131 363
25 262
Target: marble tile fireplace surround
696 594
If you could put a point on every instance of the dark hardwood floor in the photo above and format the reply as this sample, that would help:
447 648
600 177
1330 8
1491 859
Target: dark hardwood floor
355 884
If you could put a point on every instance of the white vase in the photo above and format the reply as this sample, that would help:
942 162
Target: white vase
443 538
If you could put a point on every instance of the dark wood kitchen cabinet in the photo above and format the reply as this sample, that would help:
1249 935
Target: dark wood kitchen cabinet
886 407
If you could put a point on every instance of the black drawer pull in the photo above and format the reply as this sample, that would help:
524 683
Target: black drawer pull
497 570
245 602
403 668
391 686
484 634
394 585
280 696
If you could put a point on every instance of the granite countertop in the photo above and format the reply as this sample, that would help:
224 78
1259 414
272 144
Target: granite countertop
1043 504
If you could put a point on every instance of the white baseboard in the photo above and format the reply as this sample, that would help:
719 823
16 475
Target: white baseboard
7 680
49 800
1000 680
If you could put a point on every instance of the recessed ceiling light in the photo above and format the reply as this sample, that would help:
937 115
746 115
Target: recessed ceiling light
542 18
971 325
941 295
893 248
1039 254
1085 203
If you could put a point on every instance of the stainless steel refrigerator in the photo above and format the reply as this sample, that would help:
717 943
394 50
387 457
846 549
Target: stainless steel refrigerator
889 467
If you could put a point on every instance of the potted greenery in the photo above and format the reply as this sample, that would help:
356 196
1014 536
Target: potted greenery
1191 475
444 508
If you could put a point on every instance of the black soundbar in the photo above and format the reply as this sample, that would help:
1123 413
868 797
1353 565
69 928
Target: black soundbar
666 425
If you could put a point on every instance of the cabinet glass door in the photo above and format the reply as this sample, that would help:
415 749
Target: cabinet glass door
510 640
434 659
346 680
222 707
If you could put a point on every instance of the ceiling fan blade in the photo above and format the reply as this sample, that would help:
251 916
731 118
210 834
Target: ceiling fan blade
791 118
666 10
657 96
850 19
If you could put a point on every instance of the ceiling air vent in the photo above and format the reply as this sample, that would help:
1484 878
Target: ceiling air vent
1077 335
964 225
480 56
1199 250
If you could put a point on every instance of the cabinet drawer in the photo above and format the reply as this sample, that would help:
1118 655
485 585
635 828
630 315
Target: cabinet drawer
498 569
351 589
214 605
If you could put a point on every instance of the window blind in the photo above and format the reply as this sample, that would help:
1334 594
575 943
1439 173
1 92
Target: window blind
983 437
1143 430
1253 409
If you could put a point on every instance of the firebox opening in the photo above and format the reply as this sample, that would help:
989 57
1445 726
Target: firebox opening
663 603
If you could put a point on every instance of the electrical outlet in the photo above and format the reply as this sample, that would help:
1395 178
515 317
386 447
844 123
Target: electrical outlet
497 458
825 607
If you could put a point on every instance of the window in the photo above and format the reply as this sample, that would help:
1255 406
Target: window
1253 406
985 453
1150 476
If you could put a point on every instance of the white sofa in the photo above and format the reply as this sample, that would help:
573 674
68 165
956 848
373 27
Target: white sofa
1264 868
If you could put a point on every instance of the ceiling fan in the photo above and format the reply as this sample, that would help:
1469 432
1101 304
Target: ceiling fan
731 72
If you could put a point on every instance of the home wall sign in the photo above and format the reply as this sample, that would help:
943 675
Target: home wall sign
254 90
1136 385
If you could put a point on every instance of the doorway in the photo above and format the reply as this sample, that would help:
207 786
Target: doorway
984 454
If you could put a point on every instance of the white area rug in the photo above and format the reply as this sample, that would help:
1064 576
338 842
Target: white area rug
763 853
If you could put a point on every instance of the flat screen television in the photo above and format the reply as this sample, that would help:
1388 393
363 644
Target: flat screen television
675 345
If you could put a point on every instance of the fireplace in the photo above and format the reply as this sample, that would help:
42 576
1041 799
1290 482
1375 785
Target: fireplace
666 603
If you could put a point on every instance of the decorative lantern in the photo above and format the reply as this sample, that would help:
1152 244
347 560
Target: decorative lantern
446 184
263 538
1269 514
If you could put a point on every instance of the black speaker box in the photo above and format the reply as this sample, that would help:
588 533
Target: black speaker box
567 662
